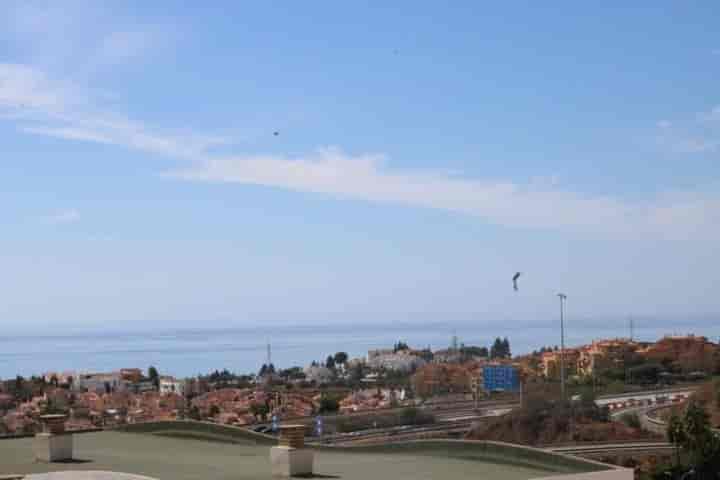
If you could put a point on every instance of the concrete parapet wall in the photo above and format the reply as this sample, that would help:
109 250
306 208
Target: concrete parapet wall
179 426
487 450
618 474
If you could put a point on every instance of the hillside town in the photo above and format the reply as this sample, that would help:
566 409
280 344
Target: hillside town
385 379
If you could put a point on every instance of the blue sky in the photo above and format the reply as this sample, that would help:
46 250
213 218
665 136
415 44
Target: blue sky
424 154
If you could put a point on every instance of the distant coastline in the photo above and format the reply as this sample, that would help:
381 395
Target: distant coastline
187 352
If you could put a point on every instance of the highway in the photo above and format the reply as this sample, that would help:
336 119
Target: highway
448 423
396 434
464 409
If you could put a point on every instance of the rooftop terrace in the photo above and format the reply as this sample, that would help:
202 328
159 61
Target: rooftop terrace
177 454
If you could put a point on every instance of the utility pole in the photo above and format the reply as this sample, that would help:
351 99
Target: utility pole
562 297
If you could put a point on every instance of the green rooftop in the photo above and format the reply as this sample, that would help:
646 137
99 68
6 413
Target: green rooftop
177 454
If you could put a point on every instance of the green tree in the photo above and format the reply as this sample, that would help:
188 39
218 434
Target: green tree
697 427
260 410
340 358
330 362
676 435
496 351
631 420
154 376
427 354
194 413
506 348
400 345
329 404
356 373
696 437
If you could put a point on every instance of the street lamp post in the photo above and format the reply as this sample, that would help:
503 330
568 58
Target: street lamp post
562 297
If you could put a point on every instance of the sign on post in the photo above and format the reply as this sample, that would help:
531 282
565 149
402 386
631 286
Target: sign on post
319 426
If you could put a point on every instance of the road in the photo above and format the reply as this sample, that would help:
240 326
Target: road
442 412
645 398
448 423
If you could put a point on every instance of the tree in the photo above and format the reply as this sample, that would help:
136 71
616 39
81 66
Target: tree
694 435
400 345
154 377
427 354
631 420
340 358
260 410
676 435
330 362
214 410
500 348
467 353
329 404
647 373
292 373
506 348
194 413
495 348
697 428
356 373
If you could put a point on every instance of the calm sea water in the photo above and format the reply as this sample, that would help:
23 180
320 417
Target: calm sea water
243 350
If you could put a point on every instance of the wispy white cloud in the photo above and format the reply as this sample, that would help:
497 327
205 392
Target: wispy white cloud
699 134
42 106
78 37
45 107
68 134
64 217
25 88
365 177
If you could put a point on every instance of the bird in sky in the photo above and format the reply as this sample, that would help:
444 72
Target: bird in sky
515 279
276 133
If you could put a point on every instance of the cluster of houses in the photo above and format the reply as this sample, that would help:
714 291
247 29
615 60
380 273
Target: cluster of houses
124 380
128 396
94 400
687 353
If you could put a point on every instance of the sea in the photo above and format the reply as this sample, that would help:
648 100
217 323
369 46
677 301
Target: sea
243 349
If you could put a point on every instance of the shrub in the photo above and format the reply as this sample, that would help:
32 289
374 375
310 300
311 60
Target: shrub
631 420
